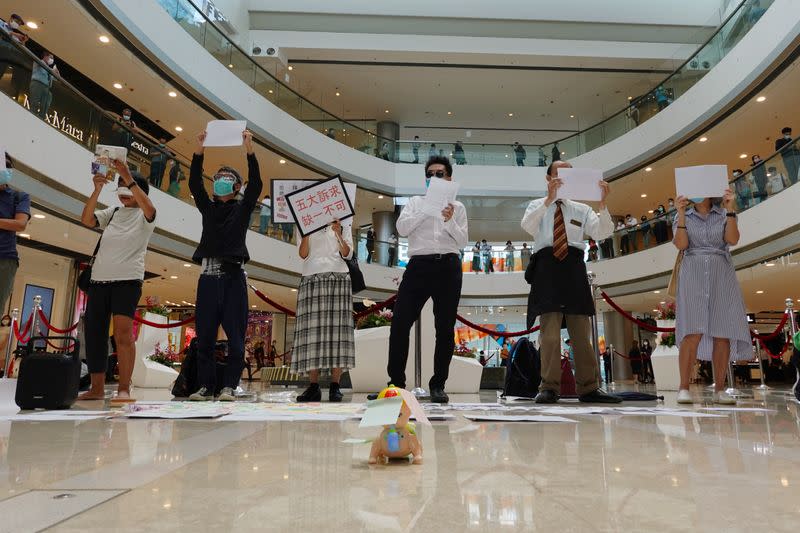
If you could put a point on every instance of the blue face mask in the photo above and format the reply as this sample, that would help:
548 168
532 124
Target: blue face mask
696 200
5 176
427 182
223 187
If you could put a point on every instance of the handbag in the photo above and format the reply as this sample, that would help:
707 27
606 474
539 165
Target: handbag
672 288
85 277
356 276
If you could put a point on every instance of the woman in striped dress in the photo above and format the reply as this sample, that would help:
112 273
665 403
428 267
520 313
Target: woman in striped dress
711 322
323 336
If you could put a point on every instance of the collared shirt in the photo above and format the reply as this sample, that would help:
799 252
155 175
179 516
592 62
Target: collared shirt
431 234
11 204
579 219
323 252
705 232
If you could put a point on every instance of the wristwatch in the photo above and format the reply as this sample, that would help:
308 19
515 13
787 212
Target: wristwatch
732 215
132 184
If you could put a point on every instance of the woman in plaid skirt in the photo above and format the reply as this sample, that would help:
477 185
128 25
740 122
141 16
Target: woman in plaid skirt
323 336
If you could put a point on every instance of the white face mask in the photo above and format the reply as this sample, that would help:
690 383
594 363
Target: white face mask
124 192
13 25
126 117
50 61
787 136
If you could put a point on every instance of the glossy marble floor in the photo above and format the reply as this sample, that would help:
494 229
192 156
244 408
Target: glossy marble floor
740 472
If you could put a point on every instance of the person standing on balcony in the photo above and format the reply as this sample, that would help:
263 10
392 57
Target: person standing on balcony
222 254
458 154
542 157
789 153
519 154
486 256
759 172
415 146
384 153
509 262
11 34
433 152
158 165
525 255
662 98
122 132
711 322
370 244
433 272
744 191
660 224
556 154
645 225
476 257
15 212
40 95
560 287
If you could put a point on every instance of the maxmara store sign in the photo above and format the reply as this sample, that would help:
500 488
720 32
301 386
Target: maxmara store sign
60 122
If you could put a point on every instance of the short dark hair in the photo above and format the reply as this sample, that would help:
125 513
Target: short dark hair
787 129
440 160
9 162
673 199
231 170
739 170
15 16
140 181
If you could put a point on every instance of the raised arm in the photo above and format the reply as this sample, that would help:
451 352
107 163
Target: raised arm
201 199
142 200
681 239
87 216
254 184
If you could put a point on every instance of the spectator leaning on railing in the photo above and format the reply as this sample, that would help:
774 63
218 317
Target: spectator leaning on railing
40 94
10 55
789 153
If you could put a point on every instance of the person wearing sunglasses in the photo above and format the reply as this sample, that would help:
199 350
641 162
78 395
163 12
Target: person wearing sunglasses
222 253
433 272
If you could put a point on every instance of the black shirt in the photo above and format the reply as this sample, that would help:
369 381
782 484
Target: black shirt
781 142
224 223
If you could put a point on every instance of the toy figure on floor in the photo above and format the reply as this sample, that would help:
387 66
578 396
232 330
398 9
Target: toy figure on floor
399 440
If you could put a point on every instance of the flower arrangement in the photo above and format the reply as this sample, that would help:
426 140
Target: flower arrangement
166 357
668 340
463 351
153 305
666 311
375 320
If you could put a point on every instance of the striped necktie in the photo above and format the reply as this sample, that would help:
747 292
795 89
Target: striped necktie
559 234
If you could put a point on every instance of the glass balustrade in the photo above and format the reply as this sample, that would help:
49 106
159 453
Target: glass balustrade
360 135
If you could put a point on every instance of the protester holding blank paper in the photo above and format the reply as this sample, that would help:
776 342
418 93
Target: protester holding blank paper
559 285
434 271
711 322
222 253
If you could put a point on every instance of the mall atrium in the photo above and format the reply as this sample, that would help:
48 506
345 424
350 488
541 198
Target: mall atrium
224 224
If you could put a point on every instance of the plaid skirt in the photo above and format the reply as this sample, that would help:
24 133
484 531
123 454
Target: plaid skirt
323 335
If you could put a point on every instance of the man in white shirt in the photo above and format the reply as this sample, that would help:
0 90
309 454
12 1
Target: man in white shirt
560 288
433 271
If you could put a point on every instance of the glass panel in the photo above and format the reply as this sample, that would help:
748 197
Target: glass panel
243 67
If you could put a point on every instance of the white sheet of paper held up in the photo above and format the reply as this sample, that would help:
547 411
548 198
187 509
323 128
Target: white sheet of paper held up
440 193
225 132
704 181
580 184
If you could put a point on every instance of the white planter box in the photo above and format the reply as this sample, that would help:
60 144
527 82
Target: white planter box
149 374
665 361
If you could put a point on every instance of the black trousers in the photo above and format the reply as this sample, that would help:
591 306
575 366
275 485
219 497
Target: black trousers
426 277
221 300
104 300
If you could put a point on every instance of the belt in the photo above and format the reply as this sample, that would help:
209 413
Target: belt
434 257
706 251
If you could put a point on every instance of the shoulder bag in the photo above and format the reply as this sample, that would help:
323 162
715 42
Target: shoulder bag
85 277
672 289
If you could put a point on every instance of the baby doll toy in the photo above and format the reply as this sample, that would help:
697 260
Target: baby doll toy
399 440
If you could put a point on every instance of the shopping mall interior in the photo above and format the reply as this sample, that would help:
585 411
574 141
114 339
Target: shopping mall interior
359 96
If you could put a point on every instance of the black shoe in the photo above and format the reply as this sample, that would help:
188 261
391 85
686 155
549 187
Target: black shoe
373 396
546 396
599 396
311 394
439 396
335 393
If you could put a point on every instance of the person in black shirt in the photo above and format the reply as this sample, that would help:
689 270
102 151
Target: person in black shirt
789 153
222 252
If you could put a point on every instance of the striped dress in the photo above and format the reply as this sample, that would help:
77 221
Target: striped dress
709 299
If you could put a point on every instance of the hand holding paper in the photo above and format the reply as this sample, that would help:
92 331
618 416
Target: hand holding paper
704 181
225 133
580 184
440 193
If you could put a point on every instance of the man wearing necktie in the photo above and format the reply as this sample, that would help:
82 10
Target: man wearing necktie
560 288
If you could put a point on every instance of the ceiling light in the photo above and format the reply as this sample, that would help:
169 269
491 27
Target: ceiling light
338 93
380 197
117 85
172 94
230 65
37 215
759 292
469 314
703 139
648 169
656 292
291 67
761 98
104 39
742 156
178 128
25 235
187 265
650 212
572 116
294 290
644 196
253 306
511 114
32 25
655 310
630 98
282 161
173 277
270 91
662 303
385 110
563 153
449 112
770 264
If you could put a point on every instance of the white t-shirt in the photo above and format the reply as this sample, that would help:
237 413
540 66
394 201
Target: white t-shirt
123 245
323 252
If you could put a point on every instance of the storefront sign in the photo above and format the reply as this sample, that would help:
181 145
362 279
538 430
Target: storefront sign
59 122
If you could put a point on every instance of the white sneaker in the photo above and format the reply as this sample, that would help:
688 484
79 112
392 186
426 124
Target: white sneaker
684 396
723 398
226 395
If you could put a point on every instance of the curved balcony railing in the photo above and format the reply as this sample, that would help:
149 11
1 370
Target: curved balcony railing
361 135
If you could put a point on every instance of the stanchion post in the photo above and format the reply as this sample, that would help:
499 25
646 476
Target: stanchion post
763 385
611 367
595 332
731 390
7 360
37 305
418 391
793 332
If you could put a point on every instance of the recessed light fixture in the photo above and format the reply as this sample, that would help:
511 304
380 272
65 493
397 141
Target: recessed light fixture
291 67
173 277
385 110
104 39
468 314
253 306
703 139
572 116
759 292
644 195
25 235
648 169
117 85
662 303
770 264
294 290
511 114
449 112
187 265
563 153
630 98
282 161
650 212
656 292
230 65
39 216
32 25
178 128
742 156
172 94
338 93
655 310
761 98
270 91
380 197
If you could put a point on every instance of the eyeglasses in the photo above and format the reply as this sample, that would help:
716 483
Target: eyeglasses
224 176
438 174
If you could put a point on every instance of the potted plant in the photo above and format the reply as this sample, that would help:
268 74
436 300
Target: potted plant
167 357
462 350
666 315
153 305
375 320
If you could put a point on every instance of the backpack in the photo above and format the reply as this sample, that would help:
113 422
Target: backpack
187 383
524 370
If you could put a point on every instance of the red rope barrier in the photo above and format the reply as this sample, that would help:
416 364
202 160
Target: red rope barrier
377 307
20 336
775 333
49 326
273 303
494 333
61 348
643 325
141 320
772 355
